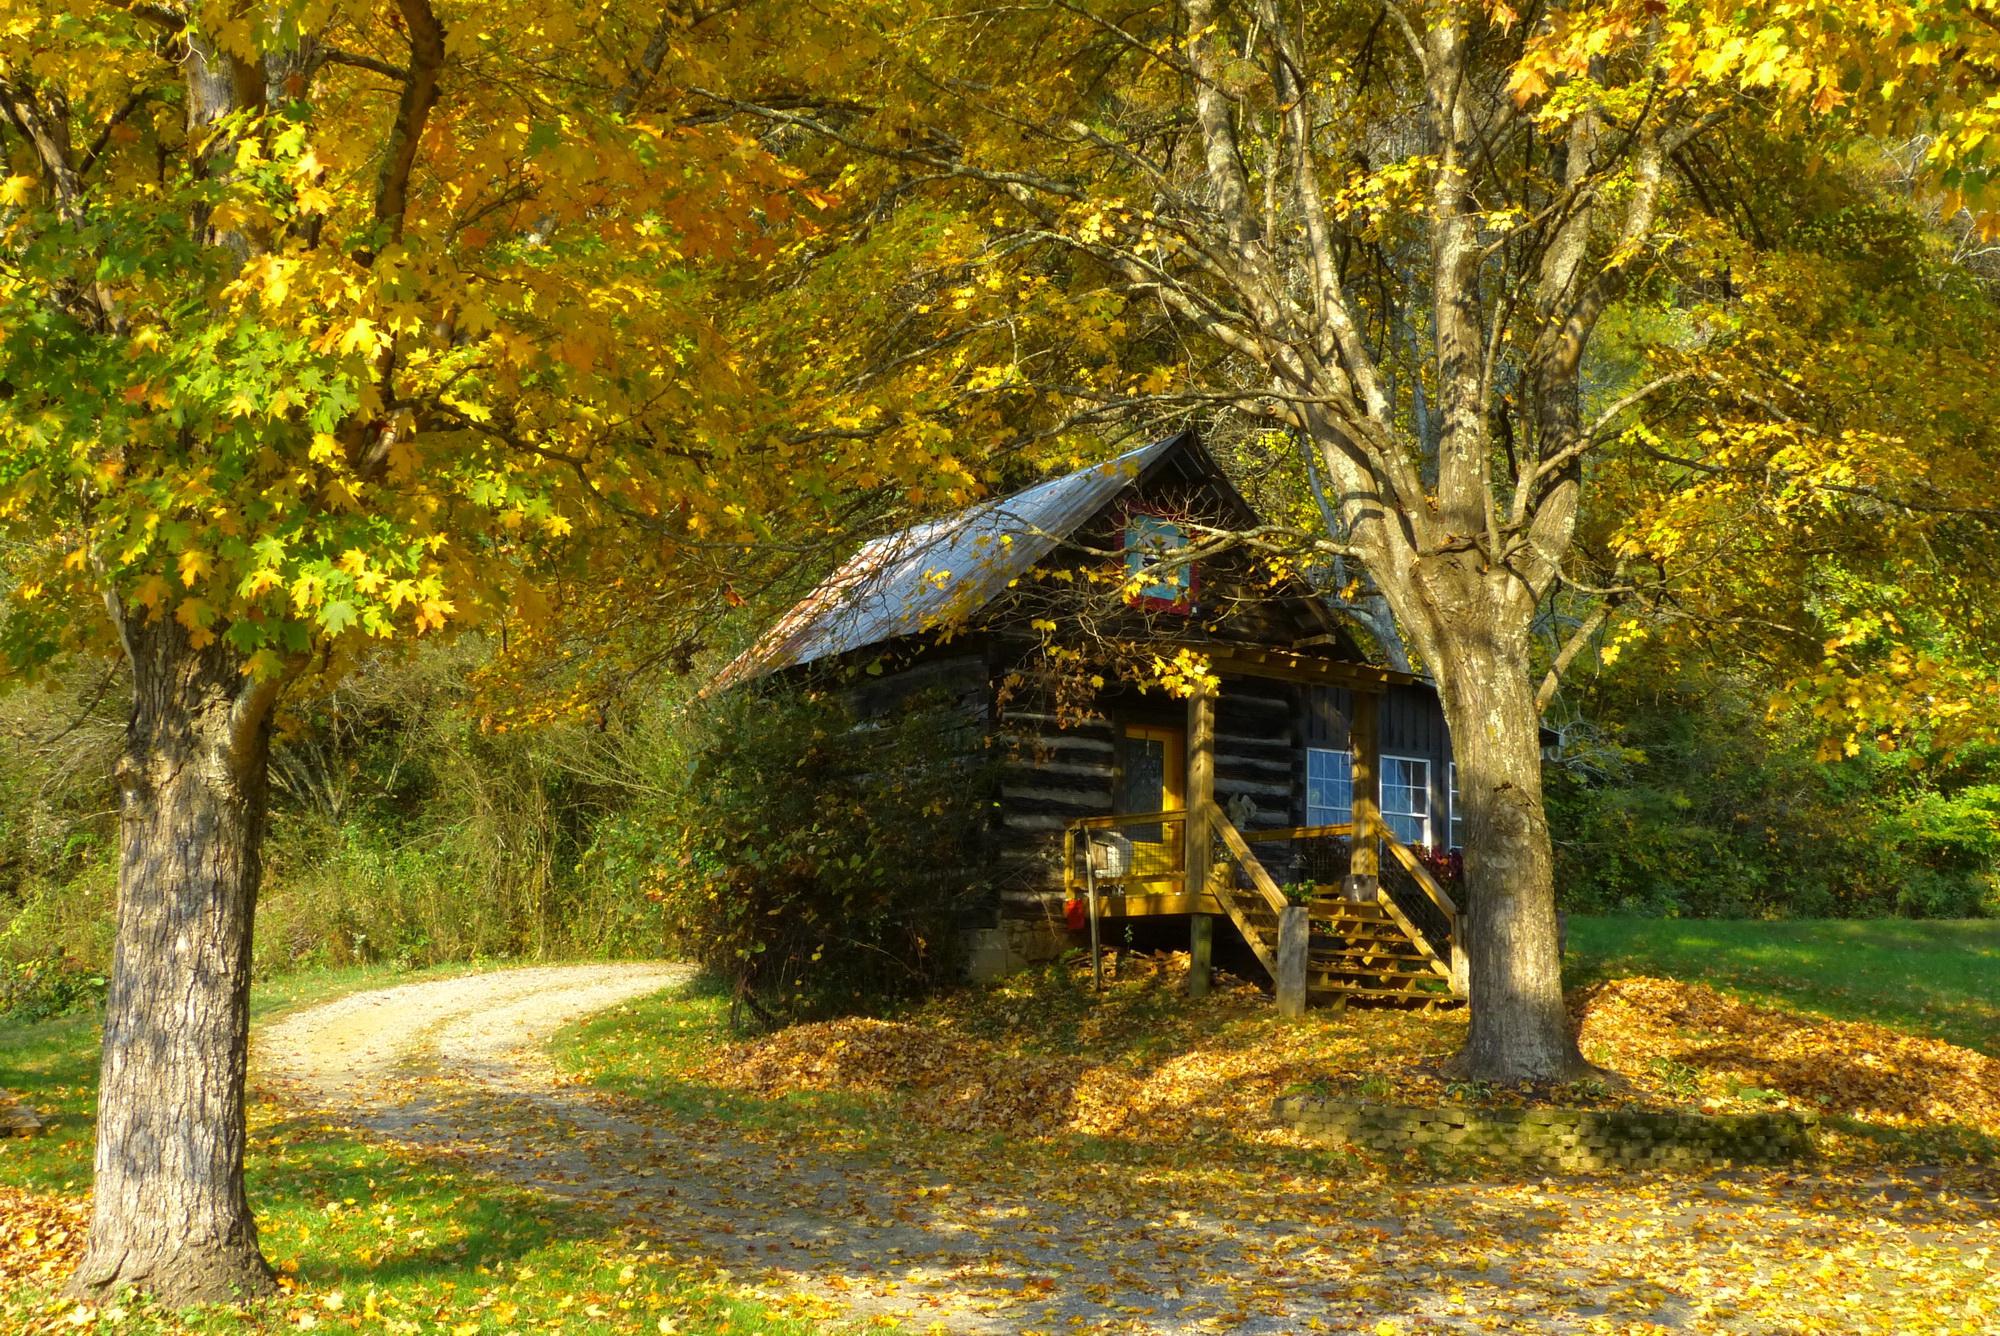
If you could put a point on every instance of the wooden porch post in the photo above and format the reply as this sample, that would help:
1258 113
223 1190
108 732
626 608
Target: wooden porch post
1195 836
1364 740
1201 953
1294 943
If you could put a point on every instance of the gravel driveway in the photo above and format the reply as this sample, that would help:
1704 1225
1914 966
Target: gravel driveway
990 1239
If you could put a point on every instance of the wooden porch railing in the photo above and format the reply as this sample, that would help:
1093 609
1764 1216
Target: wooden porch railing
1217 860
1421 875
1175 820
1269 898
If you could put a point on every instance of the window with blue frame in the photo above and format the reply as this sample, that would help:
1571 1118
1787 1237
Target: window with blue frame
1329 787
1149 539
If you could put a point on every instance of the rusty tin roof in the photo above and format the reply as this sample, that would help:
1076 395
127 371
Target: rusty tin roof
938 572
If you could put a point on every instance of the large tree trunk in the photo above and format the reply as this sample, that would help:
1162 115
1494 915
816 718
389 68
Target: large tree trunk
1519 1028
170 1216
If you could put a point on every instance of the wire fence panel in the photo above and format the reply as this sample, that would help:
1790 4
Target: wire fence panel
1416 904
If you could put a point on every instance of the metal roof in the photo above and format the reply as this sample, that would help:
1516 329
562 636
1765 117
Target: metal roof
939 572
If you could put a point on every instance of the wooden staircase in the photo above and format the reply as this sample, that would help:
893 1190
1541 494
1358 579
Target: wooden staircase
1386 942
1359 950
1353 948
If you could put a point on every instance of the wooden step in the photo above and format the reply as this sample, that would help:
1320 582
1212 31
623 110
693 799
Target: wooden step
1359 911
1363 939
1371 967
1394 969
1404 956
1381 946
1427 996
1415 983
1320 946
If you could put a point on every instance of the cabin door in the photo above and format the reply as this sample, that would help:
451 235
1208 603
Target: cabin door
1155 781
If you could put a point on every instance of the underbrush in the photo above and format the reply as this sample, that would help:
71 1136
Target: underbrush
404 831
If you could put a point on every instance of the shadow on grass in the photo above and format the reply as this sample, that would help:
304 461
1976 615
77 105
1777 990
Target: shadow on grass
350 1209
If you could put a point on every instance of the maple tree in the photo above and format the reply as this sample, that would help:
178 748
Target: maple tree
1392 230
327 324
1814 497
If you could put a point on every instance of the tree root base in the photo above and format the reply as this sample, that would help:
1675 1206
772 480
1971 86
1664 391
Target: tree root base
181 1279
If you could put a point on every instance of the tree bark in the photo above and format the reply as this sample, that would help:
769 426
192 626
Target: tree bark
170 1216
1519 1029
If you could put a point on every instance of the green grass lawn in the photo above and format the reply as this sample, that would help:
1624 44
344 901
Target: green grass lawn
368 1236
1939 978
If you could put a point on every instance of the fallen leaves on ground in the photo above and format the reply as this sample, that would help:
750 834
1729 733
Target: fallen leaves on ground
41 1236
1051 1159
1140 1060
1041 1158
1744 1054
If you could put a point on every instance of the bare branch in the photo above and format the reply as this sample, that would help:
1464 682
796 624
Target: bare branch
333 55
1573 646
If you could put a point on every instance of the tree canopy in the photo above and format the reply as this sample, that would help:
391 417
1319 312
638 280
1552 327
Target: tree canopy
329 323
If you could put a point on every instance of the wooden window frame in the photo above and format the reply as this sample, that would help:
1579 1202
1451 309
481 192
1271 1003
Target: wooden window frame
1382 788
1348 752
1452 816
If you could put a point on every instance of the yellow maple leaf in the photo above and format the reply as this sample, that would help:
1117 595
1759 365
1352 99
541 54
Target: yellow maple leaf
194 564
361 337
150 592
195 614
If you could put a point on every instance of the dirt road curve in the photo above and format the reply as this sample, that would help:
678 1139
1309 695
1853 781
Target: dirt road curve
977 1239
361 1054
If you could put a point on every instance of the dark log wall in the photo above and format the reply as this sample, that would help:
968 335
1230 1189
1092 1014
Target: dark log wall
1258 750
1044 774
955 673
958 677
1049 775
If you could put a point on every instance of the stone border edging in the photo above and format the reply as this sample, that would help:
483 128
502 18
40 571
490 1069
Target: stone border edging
1556 1138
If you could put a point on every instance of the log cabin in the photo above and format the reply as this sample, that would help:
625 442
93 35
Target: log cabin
1254 774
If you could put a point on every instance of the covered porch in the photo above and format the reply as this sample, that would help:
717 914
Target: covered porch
1332 911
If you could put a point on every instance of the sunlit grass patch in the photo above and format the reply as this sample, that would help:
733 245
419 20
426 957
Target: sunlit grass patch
1929 977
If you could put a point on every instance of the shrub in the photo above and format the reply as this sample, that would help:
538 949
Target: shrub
818 860
1948 848
1689 802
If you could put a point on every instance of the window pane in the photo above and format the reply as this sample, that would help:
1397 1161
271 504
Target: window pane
1406 798
1145 783
1147 539
1329 787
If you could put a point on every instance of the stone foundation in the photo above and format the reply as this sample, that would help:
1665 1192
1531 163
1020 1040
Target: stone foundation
994 953
1569 1139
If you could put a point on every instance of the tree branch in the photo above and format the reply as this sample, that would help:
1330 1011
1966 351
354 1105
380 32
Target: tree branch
1573 646
420 94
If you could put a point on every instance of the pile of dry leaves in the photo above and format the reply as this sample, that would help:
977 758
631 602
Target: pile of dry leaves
1837 1067
1141 1061
40 1236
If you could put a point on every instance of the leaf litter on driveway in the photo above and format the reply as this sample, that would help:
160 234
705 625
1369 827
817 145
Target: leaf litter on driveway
873 1217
